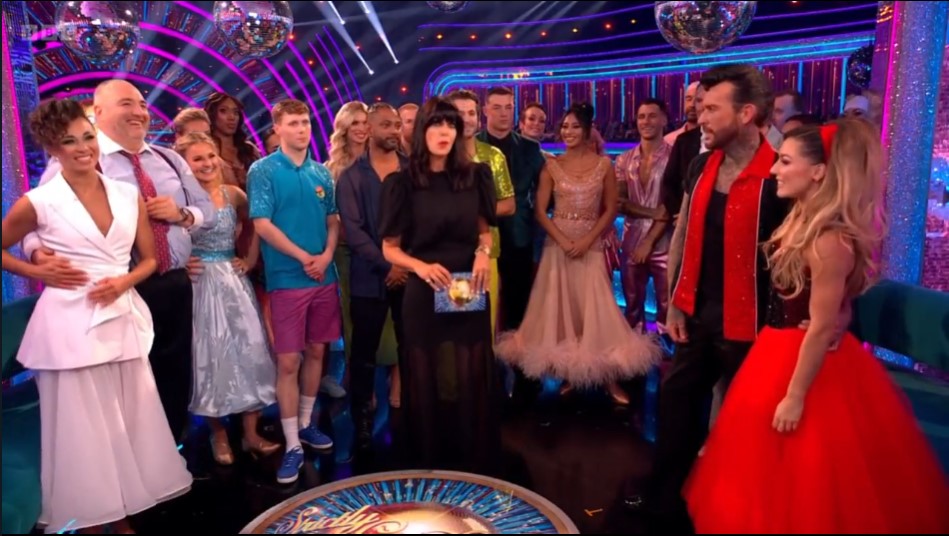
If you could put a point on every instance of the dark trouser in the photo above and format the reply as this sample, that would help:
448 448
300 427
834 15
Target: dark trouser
368 319
169 298
516 267
684 403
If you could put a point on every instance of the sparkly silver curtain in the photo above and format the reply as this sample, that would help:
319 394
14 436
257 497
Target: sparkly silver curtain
15 174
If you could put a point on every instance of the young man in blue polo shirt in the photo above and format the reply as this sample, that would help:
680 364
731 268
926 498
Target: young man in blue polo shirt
293 207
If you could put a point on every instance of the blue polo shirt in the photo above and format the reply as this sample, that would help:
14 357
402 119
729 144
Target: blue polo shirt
297 199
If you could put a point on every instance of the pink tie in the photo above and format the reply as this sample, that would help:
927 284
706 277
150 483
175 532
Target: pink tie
159 228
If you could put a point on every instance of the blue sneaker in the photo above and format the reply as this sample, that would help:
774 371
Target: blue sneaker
312 437
289 470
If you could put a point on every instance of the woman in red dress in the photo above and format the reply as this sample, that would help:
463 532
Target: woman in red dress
811 438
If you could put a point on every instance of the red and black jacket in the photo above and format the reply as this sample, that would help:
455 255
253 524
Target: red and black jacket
752 214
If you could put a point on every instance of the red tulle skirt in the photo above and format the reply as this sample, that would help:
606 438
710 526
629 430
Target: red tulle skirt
857 462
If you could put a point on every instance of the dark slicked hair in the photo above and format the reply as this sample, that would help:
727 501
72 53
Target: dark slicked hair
750 87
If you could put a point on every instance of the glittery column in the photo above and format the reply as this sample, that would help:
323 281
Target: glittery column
916 41
16 80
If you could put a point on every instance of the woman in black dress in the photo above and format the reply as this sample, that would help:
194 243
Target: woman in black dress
435 221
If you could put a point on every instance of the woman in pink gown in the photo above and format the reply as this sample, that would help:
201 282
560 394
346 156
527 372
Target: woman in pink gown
573 328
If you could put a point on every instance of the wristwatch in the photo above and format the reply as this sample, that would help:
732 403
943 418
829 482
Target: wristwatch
483 249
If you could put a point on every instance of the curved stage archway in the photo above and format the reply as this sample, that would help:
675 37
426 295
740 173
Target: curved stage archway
415 502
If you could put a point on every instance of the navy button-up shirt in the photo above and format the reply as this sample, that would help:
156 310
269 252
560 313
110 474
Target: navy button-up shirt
359 195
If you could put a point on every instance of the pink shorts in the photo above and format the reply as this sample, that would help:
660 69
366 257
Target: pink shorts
305 316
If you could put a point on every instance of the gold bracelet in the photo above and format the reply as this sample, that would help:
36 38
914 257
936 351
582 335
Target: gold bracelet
483 249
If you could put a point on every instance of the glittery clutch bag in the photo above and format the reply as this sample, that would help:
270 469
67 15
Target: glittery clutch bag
460 297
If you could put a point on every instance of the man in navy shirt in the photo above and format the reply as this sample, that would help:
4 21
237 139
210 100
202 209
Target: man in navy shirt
375 284
294 211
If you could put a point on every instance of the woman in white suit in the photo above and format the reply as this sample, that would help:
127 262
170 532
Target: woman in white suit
107 450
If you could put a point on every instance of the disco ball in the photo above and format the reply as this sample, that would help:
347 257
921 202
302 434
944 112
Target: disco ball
447 7
254 29
703 27
859 67
102 33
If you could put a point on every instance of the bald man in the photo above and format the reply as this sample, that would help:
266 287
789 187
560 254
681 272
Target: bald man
691 117
177 206
407 113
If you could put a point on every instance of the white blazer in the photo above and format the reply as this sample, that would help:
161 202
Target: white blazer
68 331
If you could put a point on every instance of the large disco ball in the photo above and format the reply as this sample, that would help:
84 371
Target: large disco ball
703 27
859 67
102 33
254 29
447 7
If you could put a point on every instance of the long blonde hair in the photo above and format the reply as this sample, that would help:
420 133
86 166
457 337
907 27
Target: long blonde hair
183 143
849 201
340 157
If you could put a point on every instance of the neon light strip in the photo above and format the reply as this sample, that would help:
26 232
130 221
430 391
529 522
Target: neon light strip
625 10
481 80
153 110
326 69
671 63
652 87
646 32
191 68
800 77
593 96
332 39
843 84
18 128
538 22
622 102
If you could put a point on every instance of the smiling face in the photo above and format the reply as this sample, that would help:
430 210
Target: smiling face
534 123
78 150
358 132
122 113
798 175
650 121
572 133
204 162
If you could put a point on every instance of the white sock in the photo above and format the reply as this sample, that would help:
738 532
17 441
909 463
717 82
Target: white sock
292 433
306 410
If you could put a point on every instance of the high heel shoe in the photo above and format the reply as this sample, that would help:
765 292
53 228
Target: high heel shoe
260 447
618 395
222 452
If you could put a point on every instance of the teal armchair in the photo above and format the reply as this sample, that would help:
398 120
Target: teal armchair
20 496
913 321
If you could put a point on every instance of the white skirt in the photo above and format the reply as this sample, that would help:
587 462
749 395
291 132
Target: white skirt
107 451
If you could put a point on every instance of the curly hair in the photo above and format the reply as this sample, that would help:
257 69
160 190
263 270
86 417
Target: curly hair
51 119
340 159
247 152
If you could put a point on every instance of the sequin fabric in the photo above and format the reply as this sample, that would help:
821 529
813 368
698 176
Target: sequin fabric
578 198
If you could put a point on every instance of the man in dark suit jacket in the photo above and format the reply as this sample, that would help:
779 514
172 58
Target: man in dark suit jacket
525 161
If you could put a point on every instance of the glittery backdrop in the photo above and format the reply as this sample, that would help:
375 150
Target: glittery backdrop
936 254
916 47
16 79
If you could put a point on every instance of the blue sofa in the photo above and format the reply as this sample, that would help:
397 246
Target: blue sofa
21 420
914 322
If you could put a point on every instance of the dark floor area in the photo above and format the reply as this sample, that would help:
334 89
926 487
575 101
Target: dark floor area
577 451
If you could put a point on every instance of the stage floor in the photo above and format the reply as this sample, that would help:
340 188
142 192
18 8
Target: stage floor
576 453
